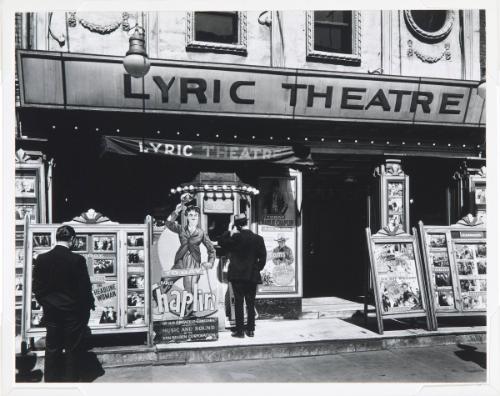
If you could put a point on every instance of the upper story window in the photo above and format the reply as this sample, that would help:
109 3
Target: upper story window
217 32
334 36
429 25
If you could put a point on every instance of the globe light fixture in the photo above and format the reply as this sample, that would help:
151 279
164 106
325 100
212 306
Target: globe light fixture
136 61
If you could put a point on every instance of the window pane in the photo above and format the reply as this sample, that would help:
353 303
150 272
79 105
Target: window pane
217 27
430 21
333 31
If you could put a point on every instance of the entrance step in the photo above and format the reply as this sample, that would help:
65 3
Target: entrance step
330 307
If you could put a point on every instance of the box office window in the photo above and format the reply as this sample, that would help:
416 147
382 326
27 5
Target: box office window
333 36
217 31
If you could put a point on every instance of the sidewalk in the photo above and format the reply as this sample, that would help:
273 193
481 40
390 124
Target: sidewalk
289 338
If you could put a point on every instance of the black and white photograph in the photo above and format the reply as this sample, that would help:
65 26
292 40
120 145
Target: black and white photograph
135 240
105 266
466 267
80 244
481 267
23 210
108 315
42 241
439 259
395 189
135 299
104 243
135 256
135 282
463 251
442 278
25 186
437 240
445 298
135 315
271 183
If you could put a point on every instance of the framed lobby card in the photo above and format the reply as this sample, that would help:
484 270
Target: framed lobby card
398 279
455 261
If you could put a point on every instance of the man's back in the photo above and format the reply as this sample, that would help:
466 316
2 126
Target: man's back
61 280
247 255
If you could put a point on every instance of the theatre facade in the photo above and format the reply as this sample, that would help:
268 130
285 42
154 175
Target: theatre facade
316 124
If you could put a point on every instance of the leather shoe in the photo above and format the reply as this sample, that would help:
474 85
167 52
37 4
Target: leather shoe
249 333
238 334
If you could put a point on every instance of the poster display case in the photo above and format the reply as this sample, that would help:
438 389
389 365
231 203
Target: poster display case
117 257
31 192
455 262
398 278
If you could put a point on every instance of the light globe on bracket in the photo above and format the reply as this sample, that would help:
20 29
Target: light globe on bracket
136 61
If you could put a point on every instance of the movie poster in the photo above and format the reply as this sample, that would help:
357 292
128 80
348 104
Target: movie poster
277 225
279 273
182 298
106 304
397 276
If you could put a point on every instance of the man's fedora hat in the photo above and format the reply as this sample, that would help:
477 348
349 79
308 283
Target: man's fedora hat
240 217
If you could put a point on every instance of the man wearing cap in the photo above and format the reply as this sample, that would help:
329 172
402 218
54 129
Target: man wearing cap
282 254
247 253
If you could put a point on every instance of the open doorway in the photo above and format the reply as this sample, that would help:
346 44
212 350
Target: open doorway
334 221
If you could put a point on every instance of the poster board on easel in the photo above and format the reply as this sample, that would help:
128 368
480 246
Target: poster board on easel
397 276
454 259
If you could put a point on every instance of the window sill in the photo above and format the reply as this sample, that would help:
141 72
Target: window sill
337 58
202 46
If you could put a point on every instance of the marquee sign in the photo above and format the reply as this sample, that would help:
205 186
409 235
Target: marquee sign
81 81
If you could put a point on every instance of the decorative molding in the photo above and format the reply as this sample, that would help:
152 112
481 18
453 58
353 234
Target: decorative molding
354 58
265 18
28 157
92 217
236 49
391 231
100 29
446 54
424 35
470 221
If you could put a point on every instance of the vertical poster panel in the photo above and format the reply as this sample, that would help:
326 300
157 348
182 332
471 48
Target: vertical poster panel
277 221
442 281
396 203
471 266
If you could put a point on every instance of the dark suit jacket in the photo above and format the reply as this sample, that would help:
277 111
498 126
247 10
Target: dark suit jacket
247 255
61 281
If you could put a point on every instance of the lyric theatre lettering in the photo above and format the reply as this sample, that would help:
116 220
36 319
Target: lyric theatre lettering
203 91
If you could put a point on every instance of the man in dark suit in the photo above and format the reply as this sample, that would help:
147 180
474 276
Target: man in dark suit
61 285
247 258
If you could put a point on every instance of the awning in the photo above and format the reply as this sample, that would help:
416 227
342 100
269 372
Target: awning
210 151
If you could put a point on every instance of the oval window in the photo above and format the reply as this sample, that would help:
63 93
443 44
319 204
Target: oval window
429 25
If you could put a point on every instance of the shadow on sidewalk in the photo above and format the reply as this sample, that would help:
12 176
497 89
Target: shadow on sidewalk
470 354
